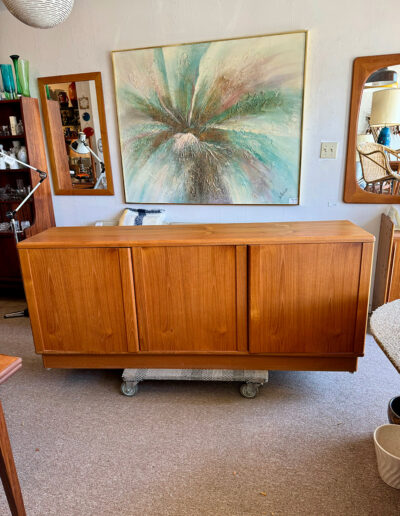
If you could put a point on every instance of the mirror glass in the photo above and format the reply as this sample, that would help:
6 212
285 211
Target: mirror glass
73 109
377 156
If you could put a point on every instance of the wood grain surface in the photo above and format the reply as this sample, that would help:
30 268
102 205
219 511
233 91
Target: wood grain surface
203 361
199 234
8 471
293 291
79 299
383 262
303 297
129 298
43 204
393 291
186 298
364 289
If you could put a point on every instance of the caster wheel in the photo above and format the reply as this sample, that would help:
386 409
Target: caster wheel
249 390
129 388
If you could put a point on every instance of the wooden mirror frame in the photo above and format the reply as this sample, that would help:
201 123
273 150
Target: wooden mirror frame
96 77
363 67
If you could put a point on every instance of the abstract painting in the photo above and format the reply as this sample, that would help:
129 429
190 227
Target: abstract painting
217 122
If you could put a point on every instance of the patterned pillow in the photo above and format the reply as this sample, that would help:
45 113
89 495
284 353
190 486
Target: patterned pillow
141 217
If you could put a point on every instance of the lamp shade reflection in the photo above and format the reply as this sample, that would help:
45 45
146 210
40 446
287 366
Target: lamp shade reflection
385 108
385 112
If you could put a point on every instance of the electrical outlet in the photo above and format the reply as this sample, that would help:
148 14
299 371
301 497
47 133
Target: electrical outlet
328 150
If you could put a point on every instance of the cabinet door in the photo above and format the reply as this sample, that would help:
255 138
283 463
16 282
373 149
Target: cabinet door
303 297
76 298
186 298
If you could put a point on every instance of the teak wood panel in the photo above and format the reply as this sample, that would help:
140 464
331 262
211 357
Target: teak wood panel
303 297
77 299
364 289
200 234
43 204
186 298
8 472
202 361
393 291
383 262
128 290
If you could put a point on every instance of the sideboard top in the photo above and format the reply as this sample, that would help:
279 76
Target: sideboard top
198 234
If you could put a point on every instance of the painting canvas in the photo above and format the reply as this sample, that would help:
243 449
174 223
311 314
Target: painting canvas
216 122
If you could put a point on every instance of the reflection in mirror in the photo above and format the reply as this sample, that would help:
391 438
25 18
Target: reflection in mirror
77 103
75 124
378 139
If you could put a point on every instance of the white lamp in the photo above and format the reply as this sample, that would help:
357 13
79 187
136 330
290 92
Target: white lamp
81 147
42 14
385 112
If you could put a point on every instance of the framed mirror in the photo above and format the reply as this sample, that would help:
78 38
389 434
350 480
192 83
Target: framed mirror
75 123
373 145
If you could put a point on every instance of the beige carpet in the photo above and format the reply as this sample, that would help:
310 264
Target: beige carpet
302 447
385 327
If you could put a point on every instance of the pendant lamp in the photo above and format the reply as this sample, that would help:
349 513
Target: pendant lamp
42 14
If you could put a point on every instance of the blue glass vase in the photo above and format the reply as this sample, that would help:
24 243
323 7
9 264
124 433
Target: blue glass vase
8 81
384 136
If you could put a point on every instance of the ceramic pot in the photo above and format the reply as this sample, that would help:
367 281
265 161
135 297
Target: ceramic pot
22 154
13 165
387 448
16 145
394 411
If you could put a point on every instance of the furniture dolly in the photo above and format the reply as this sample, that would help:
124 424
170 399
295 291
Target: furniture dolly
253 380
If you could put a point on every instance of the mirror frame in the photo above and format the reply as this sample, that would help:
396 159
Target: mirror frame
96 77
363 67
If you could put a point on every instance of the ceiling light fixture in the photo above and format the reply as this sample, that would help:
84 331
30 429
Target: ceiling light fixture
42 14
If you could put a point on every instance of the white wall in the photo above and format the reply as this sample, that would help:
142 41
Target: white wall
339 31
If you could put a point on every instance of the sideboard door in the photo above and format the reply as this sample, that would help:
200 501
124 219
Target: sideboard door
188 298
304 298
76 299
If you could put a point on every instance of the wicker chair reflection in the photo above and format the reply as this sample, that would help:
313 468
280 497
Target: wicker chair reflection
375 166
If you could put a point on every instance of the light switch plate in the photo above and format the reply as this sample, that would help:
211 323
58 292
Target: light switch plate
328 150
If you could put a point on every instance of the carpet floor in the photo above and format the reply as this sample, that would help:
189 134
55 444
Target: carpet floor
303 447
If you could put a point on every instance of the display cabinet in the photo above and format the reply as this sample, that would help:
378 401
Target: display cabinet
15 184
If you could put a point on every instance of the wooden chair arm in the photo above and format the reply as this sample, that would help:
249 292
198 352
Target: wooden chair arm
395 152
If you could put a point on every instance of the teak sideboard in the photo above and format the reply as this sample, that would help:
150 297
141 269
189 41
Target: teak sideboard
289 296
